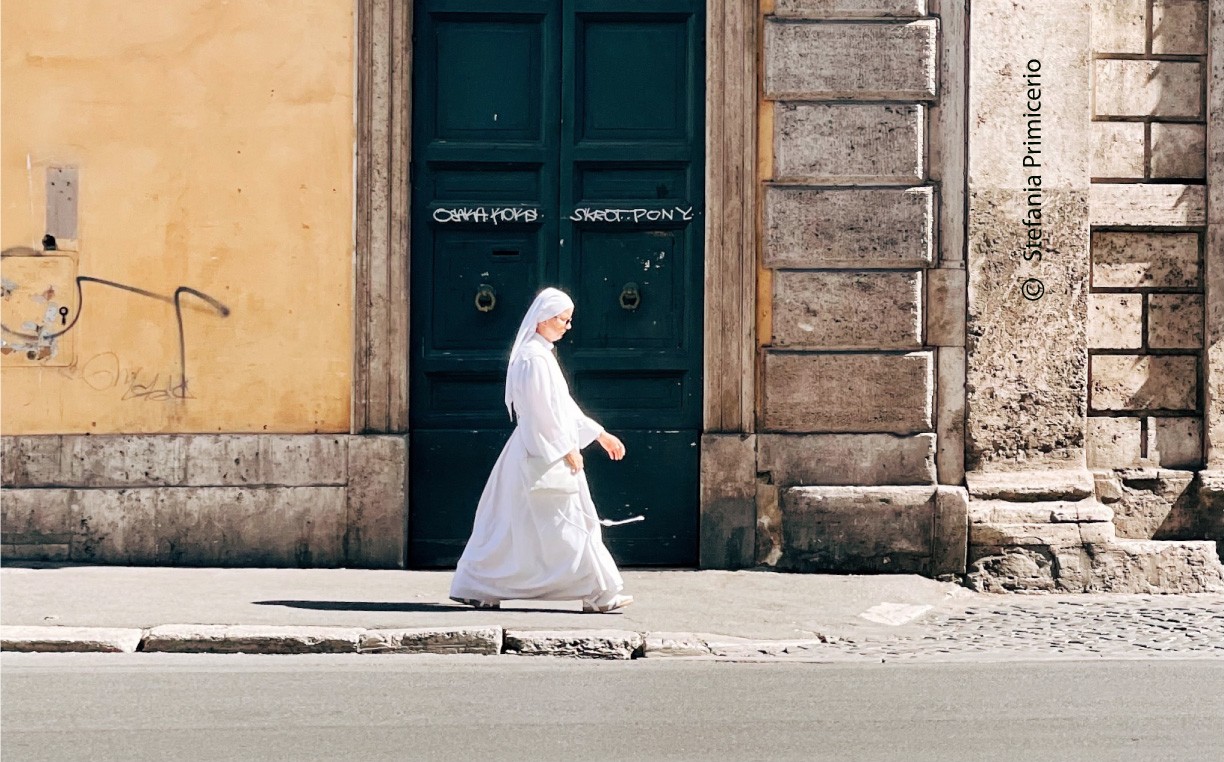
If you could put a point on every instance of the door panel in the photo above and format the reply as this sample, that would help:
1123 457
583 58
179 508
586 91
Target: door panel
558 143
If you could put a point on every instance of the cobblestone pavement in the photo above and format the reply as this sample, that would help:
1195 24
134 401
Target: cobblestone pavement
1079 626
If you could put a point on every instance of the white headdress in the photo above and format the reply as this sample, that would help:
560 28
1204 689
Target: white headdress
548 304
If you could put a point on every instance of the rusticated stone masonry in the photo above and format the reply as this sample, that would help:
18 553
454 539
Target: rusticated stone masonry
862 360
1145 321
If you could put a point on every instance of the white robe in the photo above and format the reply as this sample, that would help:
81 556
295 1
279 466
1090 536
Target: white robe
537 545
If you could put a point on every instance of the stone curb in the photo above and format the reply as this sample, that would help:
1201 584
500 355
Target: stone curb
584 644
486 641
77 639
251 639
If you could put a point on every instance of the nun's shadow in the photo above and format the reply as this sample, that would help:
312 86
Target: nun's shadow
400 608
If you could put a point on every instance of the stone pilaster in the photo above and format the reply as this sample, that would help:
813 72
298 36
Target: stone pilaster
1029 150
1214 261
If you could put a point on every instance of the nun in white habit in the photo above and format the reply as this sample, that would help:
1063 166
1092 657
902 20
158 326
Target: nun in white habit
536 534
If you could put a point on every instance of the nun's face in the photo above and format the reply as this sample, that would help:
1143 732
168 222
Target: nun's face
555 327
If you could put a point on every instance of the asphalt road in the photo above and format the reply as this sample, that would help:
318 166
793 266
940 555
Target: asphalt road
158 707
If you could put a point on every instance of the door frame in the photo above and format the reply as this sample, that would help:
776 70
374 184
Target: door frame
383 57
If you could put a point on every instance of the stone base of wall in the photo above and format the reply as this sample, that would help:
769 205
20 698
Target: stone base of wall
1049 532
903 530
206 500
1127 566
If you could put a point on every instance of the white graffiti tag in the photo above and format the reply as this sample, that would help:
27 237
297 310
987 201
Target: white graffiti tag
586 214
486 214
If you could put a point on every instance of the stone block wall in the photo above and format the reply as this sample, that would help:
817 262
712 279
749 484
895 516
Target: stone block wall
862 320
311 500
1146 301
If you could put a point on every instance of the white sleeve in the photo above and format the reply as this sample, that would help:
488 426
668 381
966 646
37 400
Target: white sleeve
588 429
543 424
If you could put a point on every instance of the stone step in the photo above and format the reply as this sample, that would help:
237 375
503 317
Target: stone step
1061 534
1123 566
1031 486
1050 511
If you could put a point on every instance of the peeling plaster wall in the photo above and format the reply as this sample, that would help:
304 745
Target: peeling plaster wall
214 150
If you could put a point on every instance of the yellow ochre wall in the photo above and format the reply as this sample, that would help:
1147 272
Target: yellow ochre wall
214 141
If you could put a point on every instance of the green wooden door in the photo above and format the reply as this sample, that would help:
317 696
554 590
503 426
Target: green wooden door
558 143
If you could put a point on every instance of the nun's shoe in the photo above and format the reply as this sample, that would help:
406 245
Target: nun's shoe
614 603
476 603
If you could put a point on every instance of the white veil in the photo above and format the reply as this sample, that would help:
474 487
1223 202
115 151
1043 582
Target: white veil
548 304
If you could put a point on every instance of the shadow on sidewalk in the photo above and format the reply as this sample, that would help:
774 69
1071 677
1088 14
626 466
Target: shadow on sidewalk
386 606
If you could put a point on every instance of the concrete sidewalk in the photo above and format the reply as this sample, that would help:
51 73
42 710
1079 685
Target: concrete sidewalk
277 610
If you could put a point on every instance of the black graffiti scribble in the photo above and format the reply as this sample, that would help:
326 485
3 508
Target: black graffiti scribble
176 299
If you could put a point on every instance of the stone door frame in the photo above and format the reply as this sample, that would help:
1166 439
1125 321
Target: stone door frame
382 225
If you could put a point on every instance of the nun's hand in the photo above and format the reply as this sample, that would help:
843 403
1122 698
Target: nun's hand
612 445
574 461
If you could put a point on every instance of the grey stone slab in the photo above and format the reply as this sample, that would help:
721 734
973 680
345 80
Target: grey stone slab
1148 88
1045 512
849 393
878 60
1119 26
858 529
1175 321
251 639
1031 486
1179 151
728 501
70 639
1027 375
377 498
223 460
950 415
117 526
35 515
1147 205
836 144
1115 442
1144 382
485 641
30 461
947 291
1115 321
1083 512
674 644
1142 566
1126 259
847 459
1040 534
584 644
847 310
1179 27
1118 150
123 461
1176 442
850 9
245 526
303 460
848 228
950 538
1159 504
